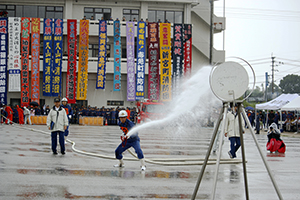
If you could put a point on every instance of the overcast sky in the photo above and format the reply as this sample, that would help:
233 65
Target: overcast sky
257 28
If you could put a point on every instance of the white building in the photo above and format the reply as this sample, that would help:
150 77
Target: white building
196 12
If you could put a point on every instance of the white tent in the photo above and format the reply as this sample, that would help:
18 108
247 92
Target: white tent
293 105
277 103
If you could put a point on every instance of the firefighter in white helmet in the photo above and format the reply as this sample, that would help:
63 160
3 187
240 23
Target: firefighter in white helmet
69 112
128 141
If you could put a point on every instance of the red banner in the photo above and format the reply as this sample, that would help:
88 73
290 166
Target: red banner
25 37
72 57
153 64
35 60
187 49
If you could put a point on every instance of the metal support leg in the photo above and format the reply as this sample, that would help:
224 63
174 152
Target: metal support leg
243 149
221 136
262 156
208 152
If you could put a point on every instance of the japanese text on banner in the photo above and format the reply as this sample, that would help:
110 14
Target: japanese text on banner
130 61
35 60
14 26
83 60
3 59
72 60
47 61
117 56
153 64
25 37
57 57
101 70
177 58
187 49
165 62
140 64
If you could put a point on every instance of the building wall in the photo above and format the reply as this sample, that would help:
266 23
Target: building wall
74 9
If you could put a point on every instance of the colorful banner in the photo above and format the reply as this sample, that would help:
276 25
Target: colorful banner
187 49
100 83
14 26
130 61
57 57
117 56
153 64
47 61
3 59
25 39
140 63
83 60
72 60
35 60
177 57
165 62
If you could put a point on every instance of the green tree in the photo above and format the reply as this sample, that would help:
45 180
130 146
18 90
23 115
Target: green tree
290 84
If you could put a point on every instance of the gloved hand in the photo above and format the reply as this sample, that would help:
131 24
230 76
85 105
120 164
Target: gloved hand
70 116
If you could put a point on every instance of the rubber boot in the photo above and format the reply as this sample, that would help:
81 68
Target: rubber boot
121 164
143 167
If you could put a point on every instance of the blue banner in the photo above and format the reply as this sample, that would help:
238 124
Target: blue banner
117 56
3 60
140 63
47 69
100 83
57 57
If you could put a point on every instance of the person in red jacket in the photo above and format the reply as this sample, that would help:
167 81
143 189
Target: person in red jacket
9 114
128 113
21 115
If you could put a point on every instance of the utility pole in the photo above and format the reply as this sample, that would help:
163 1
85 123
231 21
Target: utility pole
211 43
267 83
273 65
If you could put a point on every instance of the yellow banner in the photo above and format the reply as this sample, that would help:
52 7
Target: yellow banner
165 62
83 60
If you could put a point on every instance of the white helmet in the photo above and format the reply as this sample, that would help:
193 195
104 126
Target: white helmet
64 99
122 113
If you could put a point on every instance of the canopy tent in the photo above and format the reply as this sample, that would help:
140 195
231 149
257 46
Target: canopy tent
277 103
293 105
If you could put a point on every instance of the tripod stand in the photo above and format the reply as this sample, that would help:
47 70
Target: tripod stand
223 114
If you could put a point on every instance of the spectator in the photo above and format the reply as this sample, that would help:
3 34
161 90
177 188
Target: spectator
134 19
124 19
92 17
84 18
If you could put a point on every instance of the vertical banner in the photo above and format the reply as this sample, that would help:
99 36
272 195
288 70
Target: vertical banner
130 61
35 59
14 26
187 49
153 64
140 63
47 61
117 56
165 62
72 60
57 57
177 57
101 70
3 59
83 60
25 39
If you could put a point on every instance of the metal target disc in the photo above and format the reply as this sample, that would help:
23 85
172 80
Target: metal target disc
229 81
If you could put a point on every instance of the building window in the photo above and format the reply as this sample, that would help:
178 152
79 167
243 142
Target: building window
94 49
34 11
115 103
162 16
97 13
131 14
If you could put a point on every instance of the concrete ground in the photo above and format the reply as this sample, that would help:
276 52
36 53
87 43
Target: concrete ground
30 171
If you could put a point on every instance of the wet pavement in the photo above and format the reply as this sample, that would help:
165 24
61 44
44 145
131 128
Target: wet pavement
30 171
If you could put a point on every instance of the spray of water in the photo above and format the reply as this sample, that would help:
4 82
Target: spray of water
192 107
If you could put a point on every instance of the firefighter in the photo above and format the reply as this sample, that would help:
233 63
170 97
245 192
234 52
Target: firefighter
128 141
69 113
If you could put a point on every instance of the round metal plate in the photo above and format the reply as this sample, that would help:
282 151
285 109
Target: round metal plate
229 81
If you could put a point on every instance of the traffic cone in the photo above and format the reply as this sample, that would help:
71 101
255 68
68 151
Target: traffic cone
105 122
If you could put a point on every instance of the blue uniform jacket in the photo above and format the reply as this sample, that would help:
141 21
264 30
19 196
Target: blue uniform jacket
125 127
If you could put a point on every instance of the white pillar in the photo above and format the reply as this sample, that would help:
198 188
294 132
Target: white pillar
187 13
68 9
144 11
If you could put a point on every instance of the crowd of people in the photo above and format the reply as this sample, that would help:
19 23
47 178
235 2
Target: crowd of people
288 120
22 115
